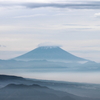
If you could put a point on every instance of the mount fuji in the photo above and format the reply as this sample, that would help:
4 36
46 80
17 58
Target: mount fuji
49 53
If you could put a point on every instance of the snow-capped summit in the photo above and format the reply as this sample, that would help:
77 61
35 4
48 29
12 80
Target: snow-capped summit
48 47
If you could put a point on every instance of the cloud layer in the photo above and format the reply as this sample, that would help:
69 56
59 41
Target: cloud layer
81 5
66 5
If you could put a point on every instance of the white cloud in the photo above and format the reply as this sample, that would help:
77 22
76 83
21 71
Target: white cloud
48 44
83 45
28 16
6 28
97 15
2 46
55 4
42 1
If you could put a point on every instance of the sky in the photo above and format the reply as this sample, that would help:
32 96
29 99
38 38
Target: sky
73 24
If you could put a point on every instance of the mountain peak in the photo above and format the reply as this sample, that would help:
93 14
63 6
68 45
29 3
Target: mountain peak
19 86
49 45
50 53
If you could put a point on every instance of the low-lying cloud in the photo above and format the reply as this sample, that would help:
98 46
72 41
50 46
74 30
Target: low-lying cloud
49 44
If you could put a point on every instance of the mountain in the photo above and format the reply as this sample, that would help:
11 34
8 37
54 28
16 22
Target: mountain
9 77
32 92
89 66
30 88
22 86
51 53
36 92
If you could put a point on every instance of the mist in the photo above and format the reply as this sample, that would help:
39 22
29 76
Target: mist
71 77
81 77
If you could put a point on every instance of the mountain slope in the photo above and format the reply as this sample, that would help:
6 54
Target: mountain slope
32 85
9 77
49 53
35 92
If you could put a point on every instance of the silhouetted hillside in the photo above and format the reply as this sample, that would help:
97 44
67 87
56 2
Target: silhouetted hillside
8 77
29 92
19 87
35 92
22 86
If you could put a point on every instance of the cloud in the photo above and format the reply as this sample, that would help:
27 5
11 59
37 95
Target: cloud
2 46
97 15
79 5
49 44
28 16
65 5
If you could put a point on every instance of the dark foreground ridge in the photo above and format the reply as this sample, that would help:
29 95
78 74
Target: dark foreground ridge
31 92
22 86
35 92
10 77
18 88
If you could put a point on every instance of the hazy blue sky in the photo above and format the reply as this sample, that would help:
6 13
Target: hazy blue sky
73 24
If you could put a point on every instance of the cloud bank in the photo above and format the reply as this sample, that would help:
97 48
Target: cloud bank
81 5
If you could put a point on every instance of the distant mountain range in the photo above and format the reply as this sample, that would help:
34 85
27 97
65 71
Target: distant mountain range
50 53
48 59
47 66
